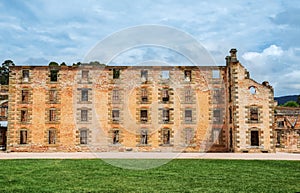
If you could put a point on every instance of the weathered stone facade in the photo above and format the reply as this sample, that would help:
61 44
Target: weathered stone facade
3 102
3 115
287 128
139 108
251 108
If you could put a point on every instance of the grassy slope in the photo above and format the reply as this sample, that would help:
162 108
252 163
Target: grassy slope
177 176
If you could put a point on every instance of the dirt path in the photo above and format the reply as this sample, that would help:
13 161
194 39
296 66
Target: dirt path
152 155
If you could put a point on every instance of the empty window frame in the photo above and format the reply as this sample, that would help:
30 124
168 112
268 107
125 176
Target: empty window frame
252 90
52 96
115 115
217 116
23 137
2 137
166 136
25 96
188 134
84 95
216 74
216 136
52 136
52 115
144 115
165 95
85 75
3 97
115 96
188 116
3 111
144 137
166 115
53 75
83 136
278 138
24 115
280 124
116 136
254 114
144 95
25 75
187 75
84 115
254 138
116 73
165 74
188 96
217 96
144 75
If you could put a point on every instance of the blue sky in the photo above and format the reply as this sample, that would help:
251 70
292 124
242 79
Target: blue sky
266 33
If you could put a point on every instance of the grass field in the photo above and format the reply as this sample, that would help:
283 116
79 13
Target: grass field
181 175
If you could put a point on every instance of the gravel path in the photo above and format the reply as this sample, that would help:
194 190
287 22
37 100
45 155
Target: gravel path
151 155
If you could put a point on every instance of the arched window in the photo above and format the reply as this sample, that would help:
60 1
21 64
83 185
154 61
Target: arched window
254 138
23 136
116 136
188 134
187 75
83 136
144 95
165 95
252 89
166 136
144 136
52 136
188 96
24 115
254 114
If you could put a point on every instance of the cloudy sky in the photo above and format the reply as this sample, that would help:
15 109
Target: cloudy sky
266 33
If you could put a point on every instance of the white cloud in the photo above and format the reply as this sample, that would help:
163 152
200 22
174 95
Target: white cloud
278 66
262 62
265 33
271 51
293 76
141 54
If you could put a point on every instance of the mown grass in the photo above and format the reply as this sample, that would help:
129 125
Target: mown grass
179 175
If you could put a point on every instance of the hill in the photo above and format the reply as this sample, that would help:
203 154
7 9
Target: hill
283 99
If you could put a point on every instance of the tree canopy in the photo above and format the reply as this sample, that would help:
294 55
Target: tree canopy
291 104
4 71
53 64
63 64
95 63
77 64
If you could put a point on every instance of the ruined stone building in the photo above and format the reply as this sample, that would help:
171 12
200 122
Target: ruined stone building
3 115
140 108
287 128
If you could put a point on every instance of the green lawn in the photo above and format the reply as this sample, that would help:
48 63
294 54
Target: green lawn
179 175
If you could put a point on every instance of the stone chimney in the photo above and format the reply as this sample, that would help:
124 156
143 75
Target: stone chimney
233 52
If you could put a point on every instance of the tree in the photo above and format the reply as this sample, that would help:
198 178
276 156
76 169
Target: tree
77 64
63 64
298 100
53 64
4 71
95 63
291 104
